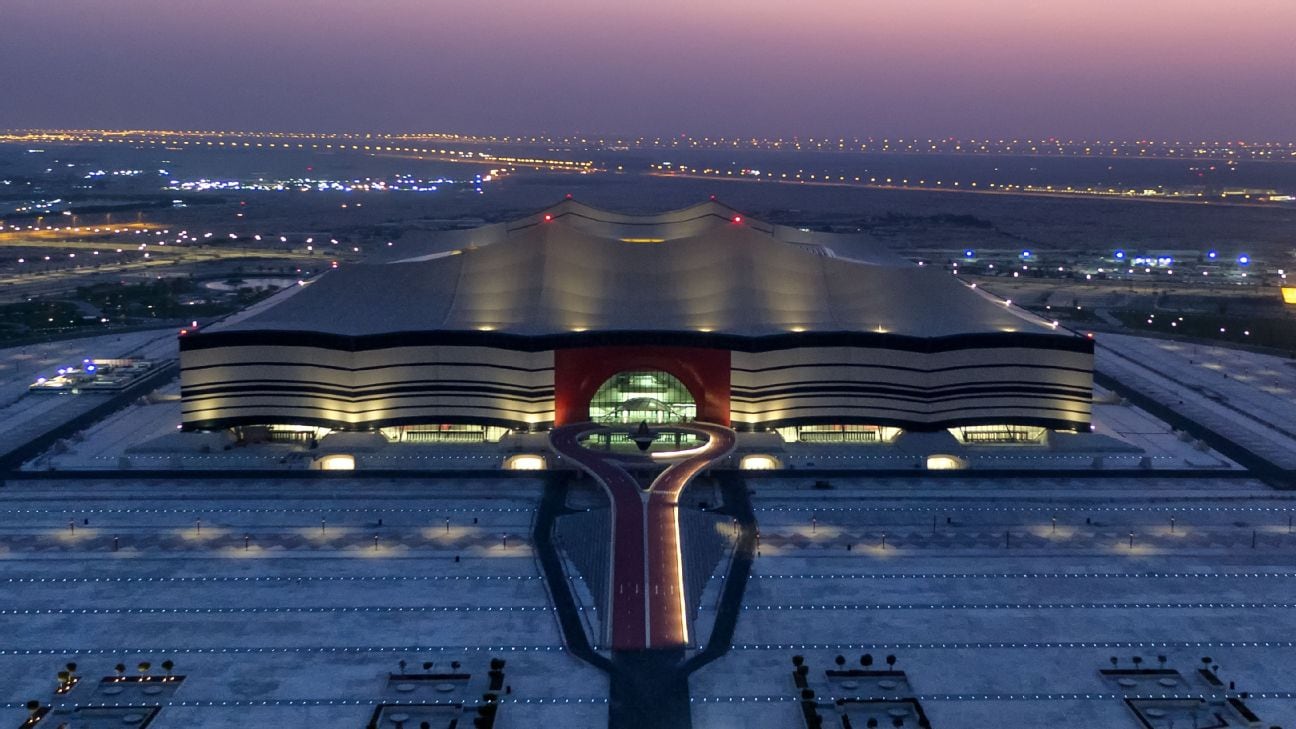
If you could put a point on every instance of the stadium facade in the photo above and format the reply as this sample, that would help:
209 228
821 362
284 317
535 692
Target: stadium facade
575 314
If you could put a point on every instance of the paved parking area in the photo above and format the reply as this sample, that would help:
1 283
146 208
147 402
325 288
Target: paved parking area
1012 635
300 623
1248 397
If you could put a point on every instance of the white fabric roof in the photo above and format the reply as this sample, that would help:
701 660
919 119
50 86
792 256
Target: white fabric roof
575 268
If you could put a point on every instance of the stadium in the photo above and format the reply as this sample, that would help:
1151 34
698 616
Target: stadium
576 314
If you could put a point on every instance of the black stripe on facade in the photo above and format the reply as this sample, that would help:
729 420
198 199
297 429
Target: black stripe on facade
342 368
570 340
887 389
368 392
900 368
276 406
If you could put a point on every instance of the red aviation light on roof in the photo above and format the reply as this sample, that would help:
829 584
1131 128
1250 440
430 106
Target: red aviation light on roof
548 217
737 219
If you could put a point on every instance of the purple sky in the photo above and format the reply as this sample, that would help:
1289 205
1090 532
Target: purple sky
1130 69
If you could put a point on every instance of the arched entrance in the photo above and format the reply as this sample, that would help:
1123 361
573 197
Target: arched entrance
580 372
638 396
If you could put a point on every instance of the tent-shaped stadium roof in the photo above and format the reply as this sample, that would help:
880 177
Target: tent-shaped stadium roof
707 268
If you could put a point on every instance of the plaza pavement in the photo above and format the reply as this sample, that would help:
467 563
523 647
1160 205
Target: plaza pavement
302 626
1011 636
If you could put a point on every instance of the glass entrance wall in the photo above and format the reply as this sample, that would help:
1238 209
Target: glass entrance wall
444 433
1000 434
839 433
642 395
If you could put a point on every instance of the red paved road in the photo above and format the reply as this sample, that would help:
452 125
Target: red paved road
646 601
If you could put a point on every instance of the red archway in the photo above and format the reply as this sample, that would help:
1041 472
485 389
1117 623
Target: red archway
578 374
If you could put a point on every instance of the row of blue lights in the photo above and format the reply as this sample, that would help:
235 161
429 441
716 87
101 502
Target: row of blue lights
1060 508
949 645
762 699
1024 575
282 510
287 578
1035 606
290 649
262 610
1120 255
965 645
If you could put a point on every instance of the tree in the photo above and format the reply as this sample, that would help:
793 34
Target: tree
144 667
33 706
120 668
1161 660
427 665
840 660
866 660
71 668
1138 661
402 665
897 722
891 659
1115 662
63 678
872 723
167 666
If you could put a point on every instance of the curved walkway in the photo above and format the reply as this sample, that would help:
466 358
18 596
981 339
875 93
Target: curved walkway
647 607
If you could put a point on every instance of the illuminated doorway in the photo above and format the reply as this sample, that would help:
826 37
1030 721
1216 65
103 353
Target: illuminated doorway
642 395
